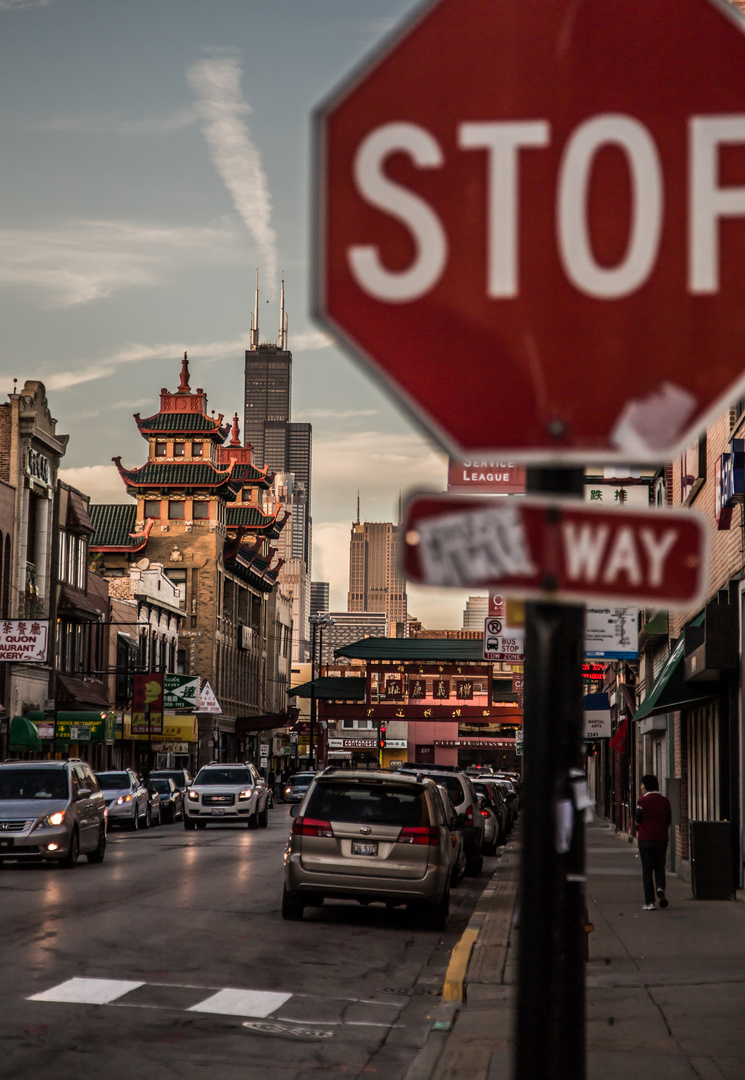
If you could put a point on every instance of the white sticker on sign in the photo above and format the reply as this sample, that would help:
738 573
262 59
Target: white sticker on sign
465 549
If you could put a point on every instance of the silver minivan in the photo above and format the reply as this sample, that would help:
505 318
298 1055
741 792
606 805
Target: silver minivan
51 810
370 836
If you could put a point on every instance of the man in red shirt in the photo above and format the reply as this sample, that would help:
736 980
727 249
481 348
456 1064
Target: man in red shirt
653 819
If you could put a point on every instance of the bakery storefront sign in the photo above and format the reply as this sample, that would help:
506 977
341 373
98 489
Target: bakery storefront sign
24 640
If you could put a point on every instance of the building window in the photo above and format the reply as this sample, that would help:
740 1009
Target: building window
201 510
175 510
178 578
161 449
179 449
197 449
152 508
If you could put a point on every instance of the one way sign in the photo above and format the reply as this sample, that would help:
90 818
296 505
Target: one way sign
555 549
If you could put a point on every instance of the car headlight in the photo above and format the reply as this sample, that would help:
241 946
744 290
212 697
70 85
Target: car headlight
54 819
123 799
193 795
245 794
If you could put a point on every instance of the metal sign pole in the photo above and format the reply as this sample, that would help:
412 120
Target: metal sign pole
550 1021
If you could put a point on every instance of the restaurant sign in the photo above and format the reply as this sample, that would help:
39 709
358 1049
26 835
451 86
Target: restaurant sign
24 640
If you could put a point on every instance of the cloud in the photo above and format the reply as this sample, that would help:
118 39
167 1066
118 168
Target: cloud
91 124
19 5
307 340
332 414
216 84
102 482
83 261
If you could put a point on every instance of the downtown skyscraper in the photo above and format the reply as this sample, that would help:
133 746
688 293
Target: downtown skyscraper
285 448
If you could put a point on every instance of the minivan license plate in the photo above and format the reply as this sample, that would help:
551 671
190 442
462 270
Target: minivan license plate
364 847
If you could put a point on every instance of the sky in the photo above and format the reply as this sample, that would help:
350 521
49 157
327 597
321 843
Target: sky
154 154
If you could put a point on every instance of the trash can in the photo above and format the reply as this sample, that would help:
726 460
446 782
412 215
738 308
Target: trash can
712 872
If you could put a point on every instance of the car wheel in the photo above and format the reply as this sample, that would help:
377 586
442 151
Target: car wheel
253 819
292 905
201 824
189 824
135 820
148 818
70 860
435 915
264 818
97 855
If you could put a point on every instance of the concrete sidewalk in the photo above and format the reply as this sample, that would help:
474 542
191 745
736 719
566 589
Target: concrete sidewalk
665 989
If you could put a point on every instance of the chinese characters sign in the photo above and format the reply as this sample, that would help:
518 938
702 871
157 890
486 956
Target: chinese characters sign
24 640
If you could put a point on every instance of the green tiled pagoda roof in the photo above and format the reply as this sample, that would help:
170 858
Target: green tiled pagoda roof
451 650
250 472
113 524
332 688
249 517
154 474
181 422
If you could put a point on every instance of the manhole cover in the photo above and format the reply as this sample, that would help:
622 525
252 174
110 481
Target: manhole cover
272 1027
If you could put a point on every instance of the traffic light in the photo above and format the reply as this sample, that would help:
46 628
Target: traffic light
381 737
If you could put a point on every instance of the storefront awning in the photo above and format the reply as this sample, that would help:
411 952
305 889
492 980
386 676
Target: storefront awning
670 691
24 734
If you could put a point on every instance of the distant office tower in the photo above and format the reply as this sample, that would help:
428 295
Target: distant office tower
319 596
281 446
348 627
286 498
477 610
374 580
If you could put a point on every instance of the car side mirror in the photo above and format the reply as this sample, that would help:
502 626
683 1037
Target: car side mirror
83 793
294 809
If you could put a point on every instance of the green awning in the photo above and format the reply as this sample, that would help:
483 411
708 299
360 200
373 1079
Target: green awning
24 735
670 691
332 688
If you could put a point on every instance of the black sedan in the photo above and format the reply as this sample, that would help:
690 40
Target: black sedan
171 799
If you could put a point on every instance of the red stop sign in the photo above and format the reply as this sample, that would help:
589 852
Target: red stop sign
532 222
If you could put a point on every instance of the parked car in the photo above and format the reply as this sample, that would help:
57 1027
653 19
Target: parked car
226 793
370 836
180 777
126 798
457 843
466 802
511 799
51 810
492 794
171 798
296 787
154 813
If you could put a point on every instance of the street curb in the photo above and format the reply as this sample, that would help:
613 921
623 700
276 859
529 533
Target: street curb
454 987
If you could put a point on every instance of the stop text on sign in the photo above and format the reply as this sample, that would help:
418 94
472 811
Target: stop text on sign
506 143
556 549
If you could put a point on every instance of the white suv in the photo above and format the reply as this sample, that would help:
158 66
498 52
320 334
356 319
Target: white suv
226 792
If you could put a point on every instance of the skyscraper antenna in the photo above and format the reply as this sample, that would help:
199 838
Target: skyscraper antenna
358 507
254 340
282 328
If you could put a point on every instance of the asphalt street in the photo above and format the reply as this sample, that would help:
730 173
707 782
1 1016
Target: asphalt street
172 959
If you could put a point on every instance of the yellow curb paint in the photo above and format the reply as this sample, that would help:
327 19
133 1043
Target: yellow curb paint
455 976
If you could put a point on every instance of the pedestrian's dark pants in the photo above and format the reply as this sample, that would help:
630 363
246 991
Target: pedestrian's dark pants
653 854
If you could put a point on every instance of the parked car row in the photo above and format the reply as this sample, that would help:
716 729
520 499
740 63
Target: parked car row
399 838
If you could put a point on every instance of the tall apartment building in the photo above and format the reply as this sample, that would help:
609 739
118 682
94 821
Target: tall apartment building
282 448
375 583
347 628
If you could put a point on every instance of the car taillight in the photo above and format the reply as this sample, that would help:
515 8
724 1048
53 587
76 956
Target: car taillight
469 815
305 826
485 813
420 834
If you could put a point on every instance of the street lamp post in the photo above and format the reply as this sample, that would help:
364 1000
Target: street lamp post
317 622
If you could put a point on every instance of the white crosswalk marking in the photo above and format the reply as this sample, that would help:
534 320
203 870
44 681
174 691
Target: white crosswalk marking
257 1003
88 991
